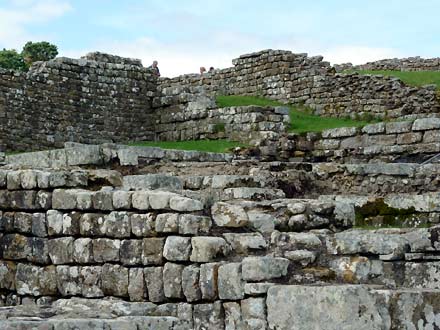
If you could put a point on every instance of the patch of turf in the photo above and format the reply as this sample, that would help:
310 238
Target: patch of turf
218 146
412 78
300 117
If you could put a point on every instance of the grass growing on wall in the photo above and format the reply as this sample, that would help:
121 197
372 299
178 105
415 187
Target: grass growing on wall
218 146
301 119
412 78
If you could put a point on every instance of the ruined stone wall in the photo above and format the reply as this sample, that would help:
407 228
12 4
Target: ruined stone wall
395 64
202 119
81 100
299 79
169 259
400 141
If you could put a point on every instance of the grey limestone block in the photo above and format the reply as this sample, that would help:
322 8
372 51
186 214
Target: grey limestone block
190 224
103 200
136 284
177 248
68 280
167 223
229 215
190 283
207 248
91 285
230 281
152 250
264 268
106 249
208 280
209 316
185 204
114 280
15 247
172 280
117 224
131 252
154 283
61 250
83 250
143 225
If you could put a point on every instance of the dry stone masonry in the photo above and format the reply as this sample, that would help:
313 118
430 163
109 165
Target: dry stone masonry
116 237
331 230
396 64
105 98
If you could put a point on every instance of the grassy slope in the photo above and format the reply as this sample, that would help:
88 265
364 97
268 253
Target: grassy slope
412 78
200 145
301 120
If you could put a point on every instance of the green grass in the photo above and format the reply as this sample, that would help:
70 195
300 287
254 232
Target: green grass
218 146
412 78
301 118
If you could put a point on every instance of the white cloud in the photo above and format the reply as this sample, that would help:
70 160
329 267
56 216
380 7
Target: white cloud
14 20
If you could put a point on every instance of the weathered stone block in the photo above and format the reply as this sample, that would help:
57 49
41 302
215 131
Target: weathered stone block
172 280
206 249
114 280
190 283
15 247
264 268
103 200
426 124
91 224
136 284
190 224
7 275
185 204
82 251
61 250
68 280
209 316
140 200
105 249
230 282
91 281
64 199
177 248
39 227
116 224
121 199
154 283
131 252
409 138
243 243
167 223
229 215
143 225
152 250
209 280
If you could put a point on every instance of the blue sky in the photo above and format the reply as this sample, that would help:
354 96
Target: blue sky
186 34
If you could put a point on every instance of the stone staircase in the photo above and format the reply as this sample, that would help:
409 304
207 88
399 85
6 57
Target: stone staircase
114 237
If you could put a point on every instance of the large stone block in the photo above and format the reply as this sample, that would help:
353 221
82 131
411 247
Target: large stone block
114 280
209 280
207 248
152 250
116 224
190 224
264 268
91 281
167 223
69 280
230 282
131 252
154 283
143 225
229 215
177 248
136 284
61 250
190 283
185 204
209 316
106 250
172 280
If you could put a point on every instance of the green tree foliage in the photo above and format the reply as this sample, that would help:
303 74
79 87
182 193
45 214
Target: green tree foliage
39 51
10 59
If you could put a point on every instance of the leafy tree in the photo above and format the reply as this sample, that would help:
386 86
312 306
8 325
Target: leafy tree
10 59
38 51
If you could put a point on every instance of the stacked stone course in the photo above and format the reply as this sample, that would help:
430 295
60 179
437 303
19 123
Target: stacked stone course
416 63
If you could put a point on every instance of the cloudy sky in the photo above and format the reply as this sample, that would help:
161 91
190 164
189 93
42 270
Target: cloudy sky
186 34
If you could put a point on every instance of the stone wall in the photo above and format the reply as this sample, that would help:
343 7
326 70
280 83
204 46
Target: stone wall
401 141
299 79
76 100
202 119
97 249
395 64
